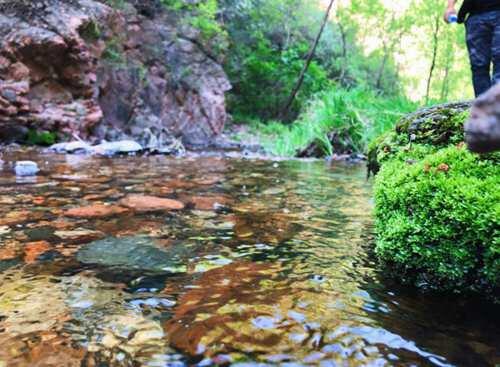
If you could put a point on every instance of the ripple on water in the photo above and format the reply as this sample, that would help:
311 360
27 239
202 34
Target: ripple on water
279 274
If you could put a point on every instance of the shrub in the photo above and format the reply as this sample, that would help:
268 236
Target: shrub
353 115
437 218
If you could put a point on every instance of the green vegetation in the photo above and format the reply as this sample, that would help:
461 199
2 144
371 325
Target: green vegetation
356 115
204 17
437 205
269 41
44 138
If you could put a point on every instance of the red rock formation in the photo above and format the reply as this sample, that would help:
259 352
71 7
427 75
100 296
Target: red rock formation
81 67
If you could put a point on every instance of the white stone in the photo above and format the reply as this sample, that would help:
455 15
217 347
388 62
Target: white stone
26 168
122 146
71 147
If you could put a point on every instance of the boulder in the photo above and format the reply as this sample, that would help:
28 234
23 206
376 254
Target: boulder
434 127
434 218
482 131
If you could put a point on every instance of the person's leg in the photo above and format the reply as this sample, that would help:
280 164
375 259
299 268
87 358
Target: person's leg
495 48
479 42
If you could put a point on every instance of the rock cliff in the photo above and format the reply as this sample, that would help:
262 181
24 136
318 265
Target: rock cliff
109 72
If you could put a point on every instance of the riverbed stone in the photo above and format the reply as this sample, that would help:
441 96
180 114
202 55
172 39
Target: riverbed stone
26 168
143 203
95 211
33 250
79 234
211 202
139 253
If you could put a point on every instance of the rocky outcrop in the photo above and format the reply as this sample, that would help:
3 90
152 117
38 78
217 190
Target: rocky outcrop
83 67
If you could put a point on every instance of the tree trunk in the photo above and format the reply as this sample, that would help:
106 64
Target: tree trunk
381 69
433 63
449 63
343 67
309 58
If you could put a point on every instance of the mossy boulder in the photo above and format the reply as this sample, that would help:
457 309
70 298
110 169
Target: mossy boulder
437 206
434 127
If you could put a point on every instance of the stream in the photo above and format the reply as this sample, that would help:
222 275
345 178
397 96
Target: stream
266 263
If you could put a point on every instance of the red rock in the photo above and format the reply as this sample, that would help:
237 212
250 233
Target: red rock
180 184
34 249
95 211
14 217
142 203
4 62
19 71
208 202
208 181
7 253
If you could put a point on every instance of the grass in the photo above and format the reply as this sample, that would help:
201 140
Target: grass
357 115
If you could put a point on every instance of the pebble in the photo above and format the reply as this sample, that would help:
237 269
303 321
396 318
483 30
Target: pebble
26 168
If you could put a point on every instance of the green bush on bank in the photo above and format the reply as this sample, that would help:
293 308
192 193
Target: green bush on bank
437 218
356 115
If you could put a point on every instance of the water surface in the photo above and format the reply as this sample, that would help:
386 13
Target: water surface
269 263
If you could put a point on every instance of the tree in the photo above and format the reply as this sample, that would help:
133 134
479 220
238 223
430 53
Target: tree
309 58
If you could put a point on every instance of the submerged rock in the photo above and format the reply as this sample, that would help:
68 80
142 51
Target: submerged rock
139 253
95 211
142 203
26 168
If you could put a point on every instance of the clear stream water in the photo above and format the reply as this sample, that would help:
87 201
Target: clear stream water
269 264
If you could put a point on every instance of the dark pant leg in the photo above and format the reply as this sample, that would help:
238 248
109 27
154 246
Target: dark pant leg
479 42
495 47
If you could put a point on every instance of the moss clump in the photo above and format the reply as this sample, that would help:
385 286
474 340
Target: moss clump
438 219
434 128
437 205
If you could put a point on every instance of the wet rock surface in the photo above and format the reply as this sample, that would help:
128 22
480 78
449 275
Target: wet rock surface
83 67
131 253
143 203
280 274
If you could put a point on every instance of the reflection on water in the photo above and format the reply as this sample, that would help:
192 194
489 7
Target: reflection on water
267 264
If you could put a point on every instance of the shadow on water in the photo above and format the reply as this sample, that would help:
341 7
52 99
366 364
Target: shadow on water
268 263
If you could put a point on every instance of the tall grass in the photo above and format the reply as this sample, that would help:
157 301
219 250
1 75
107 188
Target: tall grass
356 116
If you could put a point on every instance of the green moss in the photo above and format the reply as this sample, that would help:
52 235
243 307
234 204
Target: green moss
44 138
437 218
113 52
116 4
437 206
90 31
436 127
